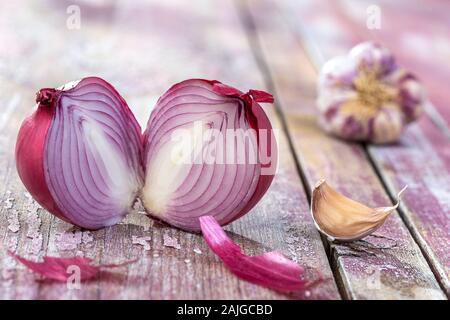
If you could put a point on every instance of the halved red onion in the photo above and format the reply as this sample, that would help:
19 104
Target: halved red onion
80 153
271 269
209 149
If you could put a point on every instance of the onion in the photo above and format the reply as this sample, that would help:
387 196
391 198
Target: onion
80 153
209 153
209 149
271 269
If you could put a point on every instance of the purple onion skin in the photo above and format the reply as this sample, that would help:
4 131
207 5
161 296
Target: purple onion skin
381 123
179 195
271 269
80 153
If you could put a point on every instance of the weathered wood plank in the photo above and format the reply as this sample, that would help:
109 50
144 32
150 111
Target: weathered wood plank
21 227
142 49
397 272
425 208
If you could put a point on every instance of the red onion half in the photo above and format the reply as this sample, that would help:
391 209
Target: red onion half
209 149
79 154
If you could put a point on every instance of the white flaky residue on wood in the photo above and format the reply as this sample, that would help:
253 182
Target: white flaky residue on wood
168 241
9 203
70 240
87 238
12 214
12 243
13 221
143 241
138 217
34 222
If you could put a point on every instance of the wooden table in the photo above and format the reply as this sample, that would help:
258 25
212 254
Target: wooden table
144 47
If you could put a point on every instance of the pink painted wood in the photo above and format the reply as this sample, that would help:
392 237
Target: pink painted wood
422 157
400 272
141 49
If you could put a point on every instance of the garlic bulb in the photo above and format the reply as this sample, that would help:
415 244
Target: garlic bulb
341 218
364 95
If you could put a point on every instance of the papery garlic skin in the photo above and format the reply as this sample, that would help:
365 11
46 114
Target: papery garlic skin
80 153
364 96
341 218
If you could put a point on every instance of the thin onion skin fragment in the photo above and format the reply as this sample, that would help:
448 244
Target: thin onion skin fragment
80 153
209 149
341 218
61 269
271 270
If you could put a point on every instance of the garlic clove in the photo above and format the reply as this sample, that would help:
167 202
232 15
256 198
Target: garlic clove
338 72
374 56
341 218
387 125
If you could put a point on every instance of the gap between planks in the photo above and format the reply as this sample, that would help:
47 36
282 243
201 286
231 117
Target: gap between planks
251 29
317 58
165 281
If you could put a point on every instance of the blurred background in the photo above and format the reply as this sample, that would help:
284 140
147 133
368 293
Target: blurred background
143 46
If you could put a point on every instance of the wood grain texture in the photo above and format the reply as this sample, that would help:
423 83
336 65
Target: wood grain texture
391 266
141 49
421 158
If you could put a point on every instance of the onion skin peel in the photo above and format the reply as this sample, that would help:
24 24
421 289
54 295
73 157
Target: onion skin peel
271 269
62 269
